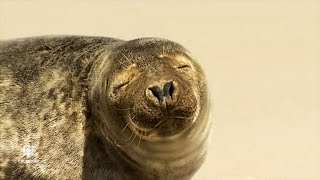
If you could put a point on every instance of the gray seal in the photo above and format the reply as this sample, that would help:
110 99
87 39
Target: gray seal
78 107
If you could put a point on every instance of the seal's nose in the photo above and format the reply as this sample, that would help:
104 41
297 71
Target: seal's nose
162 95
166 91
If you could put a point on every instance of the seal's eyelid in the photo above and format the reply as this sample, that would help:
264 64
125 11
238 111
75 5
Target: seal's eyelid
121 85
184 66
117 88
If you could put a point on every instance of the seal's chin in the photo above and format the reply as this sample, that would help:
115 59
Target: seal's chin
167 127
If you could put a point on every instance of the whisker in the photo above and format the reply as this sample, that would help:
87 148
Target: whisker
157 124
180 117
127 123
146 131
129 137
139 141
118 59
116 143
125 127
135 135
123 109
126 58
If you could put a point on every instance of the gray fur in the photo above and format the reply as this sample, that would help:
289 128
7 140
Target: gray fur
52 90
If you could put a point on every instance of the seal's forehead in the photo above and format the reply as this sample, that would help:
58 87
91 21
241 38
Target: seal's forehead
151 40
151 46
150 54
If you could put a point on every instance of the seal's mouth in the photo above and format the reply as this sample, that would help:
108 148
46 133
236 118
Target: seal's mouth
166 126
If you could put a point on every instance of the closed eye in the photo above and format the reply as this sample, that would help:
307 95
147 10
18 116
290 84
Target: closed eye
118 87
184 66
122 85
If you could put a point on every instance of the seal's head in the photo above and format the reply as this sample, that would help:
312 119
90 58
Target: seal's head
154 90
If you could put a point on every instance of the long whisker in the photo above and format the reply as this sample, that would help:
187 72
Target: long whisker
118 59
146 131
116 143
127 124
126 58
125 127
158 124
129 137
135 135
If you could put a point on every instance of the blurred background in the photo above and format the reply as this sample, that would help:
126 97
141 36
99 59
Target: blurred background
261 57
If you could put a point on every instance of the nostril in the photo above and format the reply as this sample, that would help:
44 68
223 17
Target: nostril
156 91
168 89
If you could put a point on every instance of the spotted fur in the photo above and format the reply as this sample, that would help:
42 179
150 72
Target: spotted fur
45 101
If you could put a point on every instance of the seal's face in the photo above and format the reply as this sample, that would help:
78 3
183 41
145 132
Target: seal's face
155 91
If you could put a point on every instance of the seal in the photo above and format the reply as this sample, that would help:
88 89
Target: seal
80 107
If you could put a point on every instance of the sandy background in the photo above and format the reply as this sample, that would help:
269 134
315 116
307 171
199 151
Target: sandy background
262 60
